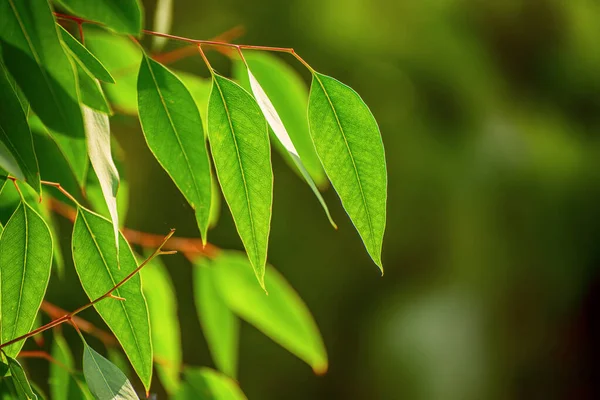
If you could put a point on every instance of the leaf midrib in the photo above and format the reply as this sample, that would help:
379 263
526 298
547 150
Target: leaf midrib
137 345
362 193
239 158
187 161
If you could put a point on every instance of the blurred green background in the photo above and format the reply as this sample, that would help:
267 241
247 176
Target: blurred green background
490 116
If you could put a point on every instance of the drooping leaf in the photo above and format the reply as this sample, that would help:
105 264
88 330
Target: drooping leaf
37 390
281 135
15 134
60 372
34 55
163 18
348 142
239 142
21 383
173 130
95 258
83 55
122 16
288 94
207 384
219 325
117 357
91 91
166 340
215 203
26 260
281 314
122 58
97 131
106 382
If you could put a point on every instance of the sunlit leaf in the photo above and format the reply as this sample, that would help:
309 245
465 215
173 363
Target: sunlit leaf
173 130
83 55
97 131
123 16
219 325
15 134
348 142
163 18
215 203
239 142
166 340
21 383
34 55
95 258
207 384
106 382
91 91
289 96
281 314
281 134
26 260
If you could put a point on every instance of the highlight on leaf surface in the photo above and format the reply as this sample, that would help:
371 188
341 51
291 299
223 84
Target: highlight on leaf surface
105 380
95 258
239 142
281 315
348 142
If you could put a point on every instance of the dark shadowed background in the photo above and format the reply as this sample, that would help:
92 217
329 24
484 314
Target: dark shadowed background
490 116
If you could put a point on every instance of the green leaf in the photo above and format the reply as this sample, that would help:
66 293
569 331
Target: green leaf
281 314
85 57
22 386
15 134
122 58
91 91
106 382
163 19
215 203
34 55
60 371
239 141
173 130
348 142
166 340
207 384
122 16
97 131
26 260
288 94
219 325
95 258
281 134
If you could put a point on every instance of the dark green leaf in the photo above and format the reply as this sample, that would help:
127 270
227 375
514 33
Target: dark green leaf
239 141
123 16
83 55
35 57
166 340
106 382
22 386
173 130
207 384
26 260
95 258
219 325
348 142
16 136
281 314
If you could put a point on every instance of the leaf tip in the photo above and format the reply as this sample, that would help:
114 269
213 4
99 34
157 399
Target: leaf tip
320 369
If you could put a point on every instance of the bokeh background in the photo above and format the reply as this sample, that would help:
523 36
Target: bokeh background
490 116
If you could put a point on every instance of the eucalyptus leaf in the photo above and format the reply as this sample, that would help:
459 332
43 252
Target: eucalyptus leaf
281 315
85 57
207 384
122 16
106 382
219 325
173 130
166 340
34 55
91 91
26 260
239 142
95 258
215 203
348 142
15 134
21 383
